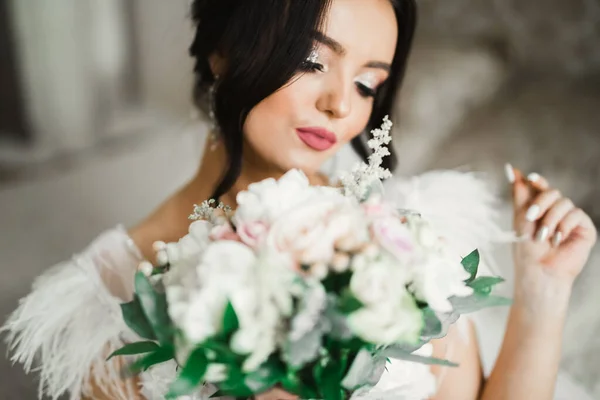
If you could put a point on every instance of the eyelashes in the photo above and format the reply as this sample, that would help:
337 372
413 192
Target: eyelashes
365 91
311 66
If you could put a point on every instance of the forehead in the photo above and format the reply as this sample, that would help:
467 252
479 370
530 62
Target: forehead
366 28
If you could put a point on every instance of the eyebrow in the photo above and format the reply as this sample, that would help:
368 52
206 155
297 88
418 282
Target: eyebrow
339 49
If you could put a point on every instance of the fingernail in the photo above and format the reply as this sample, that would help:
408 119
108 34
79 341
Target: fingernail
542 234
510 173
532 213
557 239
533 177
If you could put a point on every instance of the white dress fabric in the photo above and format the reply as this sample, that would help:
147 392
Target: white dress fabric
71 320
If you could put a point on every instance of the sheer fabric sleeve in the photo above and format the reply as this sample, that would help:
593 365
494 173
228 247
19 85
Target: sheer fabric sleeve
71 320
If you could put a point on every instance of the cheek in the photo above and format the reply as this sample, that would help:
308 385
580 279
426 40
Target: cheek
356 123
270 126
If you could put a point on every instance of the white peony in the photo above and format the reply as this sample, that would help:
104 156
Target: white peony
312 231
268 199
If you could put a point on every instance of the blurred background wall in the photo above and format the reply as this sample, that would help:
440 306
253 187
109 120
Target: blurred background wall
96 126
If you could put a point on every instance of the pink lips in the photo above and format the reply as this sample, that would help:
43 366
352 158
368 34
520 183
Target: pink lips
319 139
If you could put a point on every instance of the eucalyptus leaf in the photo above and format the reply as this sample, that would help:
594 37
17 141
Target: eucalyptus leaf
154 305
306 349
136 320
476 302
485 284
191 375
134 349
400 354
471 263
365 370
432 326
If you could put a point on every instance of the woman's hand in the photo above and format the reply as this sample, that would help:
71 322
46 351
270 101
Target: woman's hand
558 236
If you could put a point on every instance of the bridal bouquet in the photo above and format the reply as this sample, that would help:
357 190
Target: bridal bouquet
308 288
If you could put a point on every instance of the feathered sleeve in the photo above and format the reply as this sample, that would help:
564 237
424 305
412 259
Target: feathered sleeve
71 321
461 207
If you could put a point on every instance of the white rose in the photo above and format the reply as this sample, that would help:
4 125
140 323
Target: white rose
379 281
437 279
396 320
312 231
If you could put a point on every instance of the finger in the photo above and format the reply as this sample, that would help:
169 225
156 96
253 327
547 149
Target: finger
527 217
521 192
540 205
538 182
572 220
549 222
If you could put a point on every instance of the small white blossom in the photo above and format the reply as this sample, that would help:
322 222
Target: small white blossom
363 175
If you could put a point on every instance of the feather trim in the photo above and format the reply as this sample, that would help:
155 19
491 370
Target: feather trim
460 206
68 325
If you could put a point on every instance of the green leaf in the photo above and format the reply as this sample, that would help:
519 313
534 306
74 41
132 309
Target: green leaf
476 302
224 354
230 320
154 305
235 388
191 375
267 376
471 264
485 284
134 348
432 326
159 356
348 303
331 385
399 354
134 317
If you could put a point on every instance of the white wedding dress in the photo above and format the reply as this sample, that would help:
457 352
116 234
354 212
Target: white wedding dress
71 320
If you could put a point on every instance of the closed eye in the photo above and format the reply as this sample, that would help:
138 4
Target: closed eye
308 66
365 91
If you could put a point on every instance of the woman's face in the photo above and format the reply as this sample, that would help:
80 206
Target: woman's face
307 121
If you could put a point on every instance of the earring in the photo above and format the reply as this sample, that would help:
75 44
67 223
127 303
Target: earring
214 128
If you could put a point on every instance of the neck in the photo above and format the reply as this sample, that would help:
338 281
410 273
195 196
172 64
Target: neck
254 169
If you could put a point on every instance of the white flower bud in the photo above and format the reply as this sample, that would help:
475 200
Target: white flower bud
341 262
146 268
162 258
159 245
319 271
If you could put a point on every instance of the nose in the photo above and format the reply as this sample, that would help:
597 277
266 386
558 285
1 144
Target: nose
336 100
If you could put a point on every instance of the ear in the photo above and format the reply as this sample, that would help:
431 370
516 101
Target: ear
217 64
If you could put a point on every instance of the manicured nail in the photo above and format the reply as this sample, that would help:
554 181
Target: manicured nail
510 173
542 234
533 177
557 239
532 213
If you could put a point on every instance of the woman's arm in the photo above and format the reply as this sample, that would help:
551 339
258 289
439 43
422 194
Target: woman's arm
558 238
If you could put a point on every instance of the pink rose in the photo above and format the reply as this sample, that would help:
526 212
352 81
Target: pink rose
394 236
224 232
252 233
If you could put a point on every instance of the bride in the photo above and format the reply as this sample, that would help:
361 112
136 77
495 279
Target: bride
288 84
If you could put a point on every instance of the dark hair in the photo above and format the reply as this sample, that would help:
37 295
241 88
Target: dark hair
260 64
